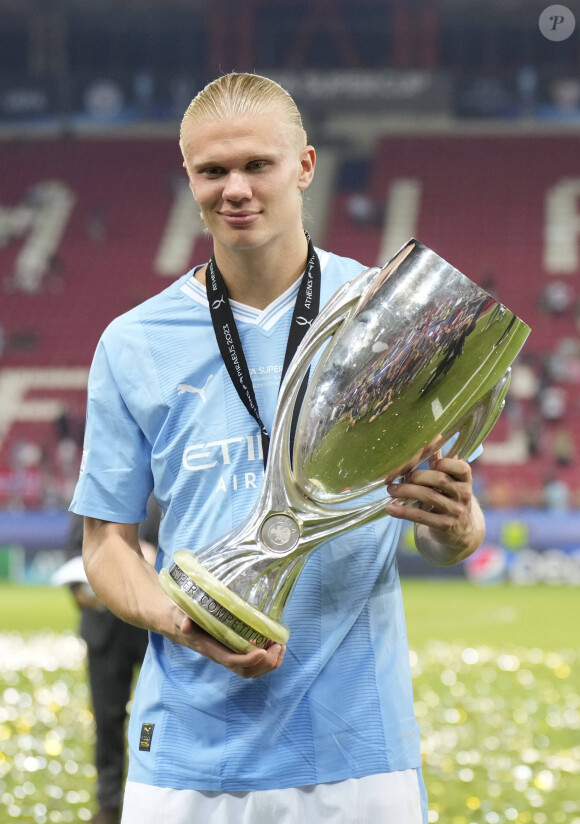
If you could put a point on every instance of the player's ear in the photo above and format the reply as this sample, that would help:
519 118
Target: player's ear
307 164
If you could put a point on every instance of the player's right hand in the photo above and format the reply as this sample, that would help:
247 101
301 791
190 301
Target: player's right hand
252 664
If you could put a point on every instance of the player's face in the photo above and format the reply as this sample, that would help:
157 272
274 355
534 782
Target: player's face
246 175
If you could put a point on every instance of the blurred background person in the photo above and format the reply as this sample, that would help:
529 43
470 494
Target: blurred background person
114 650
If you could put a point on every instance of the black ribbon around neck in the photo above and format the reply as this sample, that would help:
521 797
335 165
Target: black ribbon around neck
305 310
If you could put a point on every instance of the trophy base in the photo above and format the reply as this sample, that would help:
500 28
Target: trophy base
215 608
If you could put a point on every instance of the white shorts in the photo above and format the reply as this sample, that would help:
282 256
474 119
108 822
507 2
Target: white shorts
388 798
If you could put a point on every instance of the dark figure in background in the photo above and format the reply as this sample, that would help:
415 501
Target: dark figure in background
114 649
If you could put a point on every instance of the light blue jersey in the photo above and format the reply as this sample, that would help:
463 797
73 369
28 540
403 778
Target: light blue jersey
163 414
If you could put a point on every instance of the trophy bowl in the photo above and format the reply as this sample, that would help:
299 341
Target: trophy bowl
406 359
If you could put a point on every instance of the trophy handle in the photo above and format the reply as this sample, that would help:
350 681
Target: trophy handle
279 477
482 418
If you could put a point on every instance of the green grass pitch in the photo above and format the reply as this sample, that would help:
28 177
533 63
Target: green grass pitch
496 677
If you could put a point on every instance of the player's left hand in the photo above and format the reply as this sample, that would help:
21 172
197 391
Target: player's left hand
444 505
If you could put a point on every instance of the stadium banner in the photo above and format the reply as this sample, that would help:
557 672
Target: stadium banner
24 100
86 99
120 97
398 90
31 544
526 546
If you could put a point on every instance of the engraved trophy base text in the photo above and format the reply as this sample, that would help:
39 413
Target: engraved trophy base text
217 609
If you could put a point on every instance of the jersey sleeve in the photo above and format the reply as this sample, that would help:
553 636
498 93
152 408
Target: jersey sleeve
115 479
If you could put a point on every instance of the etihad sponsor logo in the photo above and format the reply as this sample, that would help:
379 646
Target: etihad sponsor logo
235 482
223 453
201 456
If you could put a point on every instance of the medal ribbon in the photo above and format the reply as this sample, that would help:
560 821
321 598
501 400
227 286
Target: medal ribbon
230 346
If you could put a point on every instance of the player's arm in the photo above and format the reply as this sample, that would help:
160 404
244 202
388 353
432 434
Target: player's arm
129 587
449 523
84 596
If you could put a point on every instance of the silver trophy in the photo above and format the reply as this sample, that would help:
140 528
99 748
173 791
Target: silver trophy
404 359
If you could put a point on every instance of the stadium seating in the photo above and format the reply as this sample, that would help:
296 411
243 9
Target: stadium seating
504 210
90 227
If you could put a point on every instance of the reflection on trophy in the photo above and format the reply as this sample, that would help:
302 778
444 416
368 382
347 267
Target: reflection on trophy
406 358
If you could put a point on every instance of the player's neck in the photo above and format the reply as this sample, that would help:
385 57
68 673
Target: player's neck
256 277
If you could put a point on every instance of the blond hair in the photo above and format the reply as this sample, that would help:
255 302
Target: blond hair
242 95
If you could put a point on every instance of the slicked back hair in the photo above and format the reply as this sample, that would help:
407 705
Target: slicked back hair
242 95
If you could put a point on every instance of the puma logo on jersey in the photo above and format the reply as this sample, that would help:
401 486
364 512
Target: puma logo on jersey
194 390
